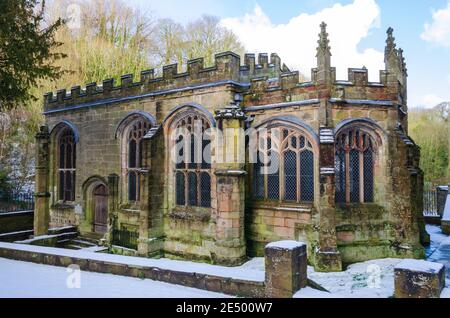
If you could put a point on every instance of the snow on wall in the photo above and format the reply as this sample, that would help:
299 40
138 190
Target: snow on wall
419 266
286 245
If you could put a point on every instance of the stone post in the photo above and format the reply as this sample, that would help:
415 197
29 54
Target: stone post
445 222
441 193
42 209
113 202
419 279
230 247
286 268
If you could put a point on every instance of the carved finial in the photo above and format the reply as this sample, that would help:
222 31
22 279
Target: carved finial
323 40
390 42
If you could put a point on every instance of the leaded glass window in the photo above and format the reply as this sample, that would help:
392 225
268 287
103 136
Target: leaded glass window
135 137
284 170
193 161
66 165
355 152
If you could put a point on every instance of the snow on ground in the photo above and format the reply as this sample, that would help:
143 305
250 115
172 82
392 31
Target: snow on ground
375 279
372 279
22 279
244 272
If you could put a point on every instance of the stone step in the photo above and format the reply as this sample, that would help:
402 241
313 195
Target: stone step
74 247
90 239
83 243
62 230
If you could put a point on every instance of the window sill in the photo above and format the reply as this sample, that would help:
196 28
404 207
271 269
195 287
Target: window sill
283 206
63 206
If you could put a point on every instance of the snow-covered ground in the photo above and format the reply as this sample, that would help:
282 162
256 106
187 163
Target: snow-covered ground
375 279
22 279
244 272
372 279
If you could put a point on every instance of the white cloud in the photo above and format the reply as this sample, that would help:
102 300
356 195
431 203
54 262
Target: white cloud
431 100
438 31
296 41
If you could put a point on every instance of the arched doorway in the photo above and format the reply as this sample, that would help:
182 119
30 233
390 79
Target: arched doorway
100 201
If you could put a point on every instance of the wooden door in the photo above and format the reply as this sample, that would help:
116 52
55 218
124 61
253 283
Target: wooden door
100 209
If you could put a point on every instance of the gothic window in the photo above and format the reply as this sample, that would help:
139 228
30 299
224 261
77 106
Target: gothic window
193 162
66 165
355 152
135 136
284 168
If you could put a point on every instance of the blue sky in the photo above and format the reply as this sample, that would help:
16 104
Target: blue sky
357 33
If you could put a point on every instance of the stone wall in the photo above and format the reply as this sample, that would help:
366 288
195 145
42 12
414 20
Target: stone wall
16 222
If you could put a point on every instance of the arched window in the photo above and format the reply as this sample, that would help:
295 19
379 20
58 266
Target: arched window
66 165
192 161
134 141
355 153
284 170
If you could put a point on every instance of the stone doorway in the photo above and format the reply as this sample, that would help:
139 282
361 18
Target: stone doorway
100 200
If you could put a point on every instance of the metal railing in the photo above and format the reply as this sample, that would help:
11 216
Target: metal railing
124 238
430 203
15 202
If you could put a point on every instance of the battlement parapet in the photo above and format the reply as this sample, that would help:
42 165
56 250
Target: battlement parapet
227 67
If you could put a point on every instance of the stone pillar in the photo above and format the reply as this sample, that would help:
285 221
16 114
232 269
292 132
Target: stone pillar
286 268
230 247
419 279
42 208
113 203
144 174
327 256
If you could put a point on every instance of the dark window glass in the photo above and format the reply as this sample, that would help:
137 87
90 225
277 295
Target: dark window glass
132 180
192 193
307 176
258 179
205 188
290 175
61 185
368 176
180 187
273 177
193 153
68 186
340 177
354 176
180 157
132 154
62 155
67 162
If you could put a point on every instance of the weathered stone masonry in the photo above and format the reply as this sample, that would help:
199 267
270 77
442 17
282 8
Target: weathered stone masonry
351 143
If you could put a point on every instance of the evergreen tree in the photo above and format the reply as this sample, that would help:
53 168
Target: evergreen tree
26 50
